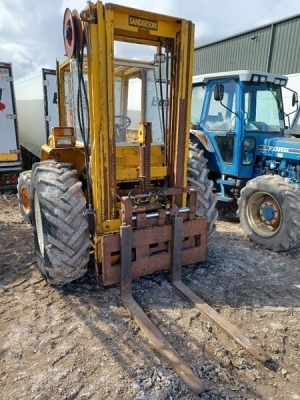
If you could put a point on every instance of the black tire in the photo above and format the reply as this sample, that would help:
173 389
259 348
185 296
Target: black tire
269 212
61 233
198 180
23 188
34 159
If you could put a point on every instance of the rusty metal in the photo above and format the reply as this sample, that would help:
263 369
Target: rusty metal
141 221
147 207
193 203
154 213
150 252
155 337
231 330
126 210
126 249
167 191
142 150
176 248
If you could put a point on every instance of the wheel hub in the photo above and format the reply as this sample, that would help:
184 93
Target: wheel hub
25 199
269 212
264 214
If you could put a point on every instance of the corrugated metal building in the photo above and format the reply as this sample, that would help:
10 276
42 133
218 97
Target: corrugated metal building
273 48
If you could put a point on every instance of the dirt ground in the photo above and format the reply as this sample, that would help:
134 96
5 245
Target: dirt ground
78 342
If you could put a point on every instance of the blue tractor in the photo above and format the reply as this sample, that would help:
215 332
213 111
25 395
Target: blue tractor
238 122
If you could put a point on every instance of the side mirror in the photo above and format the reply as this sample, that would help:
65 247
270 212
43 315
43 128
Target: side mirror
294 99
219 92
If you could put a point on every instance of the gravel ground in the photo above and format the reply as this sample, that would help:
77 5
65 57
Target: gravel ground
78 341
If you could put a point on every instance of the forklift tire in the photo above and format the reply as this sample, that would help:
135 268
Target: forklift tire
269 212
61 233
23 188
198 179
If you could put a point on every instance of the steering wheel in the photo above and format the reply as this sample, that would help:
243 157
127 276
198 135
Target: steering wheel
124 122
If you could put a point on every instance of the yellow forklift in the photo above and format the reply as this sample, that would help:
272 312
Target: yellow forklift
118 178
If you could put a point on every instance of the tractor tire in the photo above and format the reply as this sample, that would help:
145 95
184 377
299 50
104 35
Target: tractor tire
61 233
198 180
269 212
23 188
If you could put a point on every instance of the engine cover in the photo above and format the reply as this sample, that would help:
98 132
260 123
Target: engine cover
287 148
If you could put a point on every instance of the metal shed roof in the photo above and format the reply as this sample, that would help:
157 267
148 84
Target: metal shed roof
274 47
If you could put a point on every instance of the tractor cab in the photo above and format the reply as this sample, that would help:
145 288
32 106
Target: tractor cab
233 115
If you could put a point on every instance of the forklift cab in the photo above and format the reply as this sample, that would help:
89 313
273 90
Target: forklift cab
137 99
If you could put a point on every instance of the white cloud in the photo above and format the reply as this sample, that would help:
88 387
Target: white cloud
31 31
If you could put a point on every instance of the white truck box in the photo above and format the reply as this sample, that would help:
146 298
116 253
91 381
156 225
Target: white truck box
37 106
10 160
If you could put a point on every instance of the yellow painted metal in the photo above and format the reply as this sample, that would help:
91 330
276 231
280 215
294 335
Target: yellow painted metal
74 155
123 162
110 144
141 133
100 64
9 157
111 225
132 174
188 62
129 22
121 151
96 116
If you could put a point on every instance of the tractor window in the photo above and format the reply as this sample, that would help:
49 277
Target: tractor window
263 108
221 117
296 123
198 94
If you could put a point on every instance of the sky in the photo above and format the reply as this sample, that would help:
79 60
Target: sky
31 30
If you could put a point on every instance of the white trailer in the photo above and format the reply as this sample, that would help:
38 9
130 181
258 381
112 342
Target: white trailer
37 105
10 159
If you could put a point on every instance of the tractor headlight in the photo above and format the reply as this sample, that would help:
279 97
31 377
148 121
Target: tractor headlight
248 151
258 78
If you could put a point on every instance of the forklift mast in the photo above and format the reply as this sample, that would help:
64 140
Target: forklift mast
133 180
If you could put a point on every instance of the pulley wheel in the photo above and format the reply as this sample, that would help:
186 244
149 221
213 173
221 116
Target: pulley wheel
72 33
79 30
